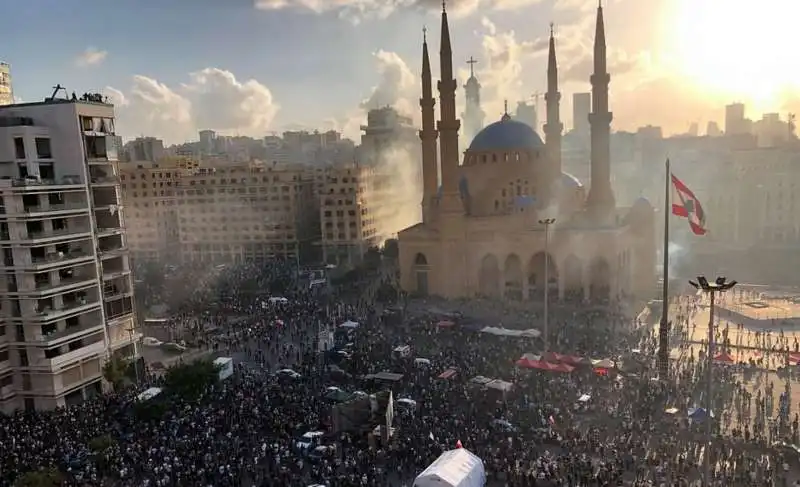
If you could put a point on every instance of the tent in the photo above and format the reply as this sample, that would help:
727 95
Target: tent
454 468
505 332
603 364
724 358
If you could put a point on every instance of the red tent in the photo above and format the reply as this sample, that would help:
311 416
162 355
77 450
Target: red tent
725 358
562 368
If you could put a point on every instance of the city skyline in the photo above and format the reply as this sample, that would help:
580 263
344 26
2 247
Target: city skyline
232 69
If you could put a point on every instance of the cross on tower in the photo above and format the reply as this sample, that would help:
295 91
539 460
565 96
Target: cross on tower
472 63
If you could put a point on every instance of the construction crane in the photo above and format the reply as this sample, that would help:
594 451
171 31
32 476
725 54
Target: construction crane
56 89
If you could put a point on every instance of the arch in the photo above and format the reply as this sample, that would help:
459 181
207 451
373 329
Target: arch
489 276
512 276
420 273
537 265
573 278
599 280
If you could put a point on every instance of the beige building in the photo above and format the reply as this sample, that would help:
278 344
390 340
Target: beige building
483 230
351 200
66 289
226 213
149 191
6 89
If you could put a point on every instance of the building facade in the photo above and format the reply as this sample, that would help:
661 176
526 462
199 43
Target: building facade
486 230
227 213
67 293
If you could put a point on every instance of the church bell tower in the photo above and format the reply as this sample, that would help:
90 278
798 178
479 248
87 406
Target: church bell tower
473 114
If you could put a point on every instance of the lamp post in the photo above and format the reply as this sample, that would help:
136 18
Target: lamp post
720 285
547 222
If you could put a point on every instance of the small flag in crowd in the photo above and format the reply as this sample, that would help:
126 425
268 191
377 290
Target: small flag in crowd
686 205
458 444
430 435
551 420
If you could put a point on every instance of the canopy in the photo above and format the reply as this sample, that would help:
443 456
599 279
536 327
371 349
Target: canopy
542 365
565 359
603 363
349 324
724 358
505 332
454 468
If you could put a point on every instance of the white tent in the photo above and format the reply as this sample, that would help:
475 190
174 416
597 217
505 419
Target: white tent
454 468
505 332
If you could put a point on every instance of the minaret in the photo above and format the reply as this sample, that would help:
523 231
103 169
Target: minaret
553 128
600 201
473 115
448 123
428 134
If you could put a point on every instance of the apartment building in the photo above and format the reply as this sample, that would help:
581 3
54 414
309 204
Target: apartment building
227 213
66 294
351 202
149 192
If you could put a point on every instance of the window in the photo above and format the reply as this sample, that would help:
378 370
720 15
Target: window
43 148
3 355
19 147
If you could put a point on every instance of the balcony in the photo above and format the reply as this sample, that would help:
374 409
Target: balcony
105 181
58 337
96 348
67 310
64 183
63 285
56 260
113 252
61 209
55 235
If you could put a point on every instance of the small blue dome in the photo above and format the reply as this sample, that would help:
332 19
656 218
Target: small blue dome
504 135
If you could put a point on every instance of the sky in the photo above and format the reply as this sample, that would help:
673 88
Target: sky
257 67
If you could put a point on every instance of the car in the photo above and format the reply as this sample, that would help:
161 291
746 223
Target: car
288 374
317 454
308 440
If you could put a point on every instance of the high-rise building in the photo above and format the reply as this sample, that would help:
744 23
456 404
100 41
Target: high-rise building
735 122
526 113
386 130
6 90
581 106
207 141
145 149
67 293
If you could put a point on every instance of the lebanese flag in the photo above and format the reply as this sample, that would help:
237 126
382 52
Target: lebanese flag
686 205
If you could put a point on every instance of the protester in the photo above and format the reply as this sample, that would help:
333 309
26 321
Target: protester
245 430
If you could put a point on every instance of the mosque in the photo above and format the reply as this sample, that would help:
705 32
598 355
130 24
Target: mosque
505 215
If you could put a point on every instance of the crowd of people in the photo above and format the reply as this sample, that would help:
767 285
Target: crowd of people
586 427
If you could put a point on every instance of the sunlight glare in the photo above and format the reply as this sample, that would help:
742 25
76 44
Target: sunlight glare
738 48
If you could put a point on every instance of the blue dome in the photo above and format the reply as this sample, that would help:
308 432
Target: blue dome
504 135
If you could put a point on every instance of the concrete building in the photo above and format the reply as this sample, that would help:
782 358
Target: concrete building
353 200
735 121
6 88
67 293
581 107
145 149
481 232
385 133
526 113
149 195
208 141
227 213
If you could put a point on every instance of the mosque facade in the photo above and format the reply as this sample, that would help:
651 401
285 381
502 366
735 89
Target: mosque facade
504 215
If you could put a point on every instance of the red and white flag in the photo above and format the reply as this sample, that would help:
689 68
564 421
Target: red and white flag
686 205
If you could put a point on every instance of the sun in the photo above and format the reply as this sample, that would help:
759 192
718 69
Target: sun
742 50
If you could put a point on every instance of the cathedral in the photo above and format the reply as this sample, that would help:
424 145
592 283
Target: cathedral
505 221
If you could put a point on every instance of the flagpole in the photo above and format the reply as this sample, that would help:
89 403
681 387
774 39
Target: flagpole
663 329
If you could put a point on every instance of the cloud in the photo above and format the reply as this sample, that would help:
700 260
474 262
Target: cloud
358 10
212 99
396 87
91 57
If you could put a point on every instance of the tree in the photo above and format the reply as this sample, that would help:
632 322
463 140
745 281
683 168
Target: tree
116 370
42 478
190 380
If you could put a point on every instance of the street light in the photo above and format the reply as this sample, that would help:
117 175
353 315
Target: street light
720 285
546 222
